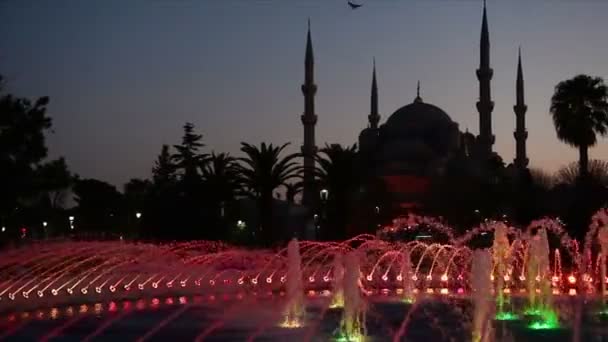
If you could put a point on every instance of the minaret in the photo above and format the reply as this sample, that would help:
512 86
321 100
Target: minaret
485 104
374 116
309 119
520 108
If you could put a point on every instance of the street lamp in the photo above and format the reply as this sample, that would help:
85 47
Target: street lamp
44 224
71 218
138 215
3 229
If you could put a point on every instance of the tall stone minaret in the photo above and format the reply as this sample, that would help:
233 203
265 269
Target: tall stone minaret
374 116
520 108
309 120
485 105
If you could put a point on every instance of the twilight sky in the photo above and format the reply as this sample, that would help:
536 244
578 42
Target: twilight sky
125 75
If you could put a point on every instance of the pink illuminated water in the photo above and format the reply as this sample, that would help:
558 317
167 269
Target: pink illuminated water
537 269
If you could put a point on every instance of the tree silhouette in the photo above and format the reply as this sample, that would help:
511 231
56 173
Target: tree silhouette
22 147
100 207
337 172
163 203
188 160
580 112
262 171
163 172
222 185
570 174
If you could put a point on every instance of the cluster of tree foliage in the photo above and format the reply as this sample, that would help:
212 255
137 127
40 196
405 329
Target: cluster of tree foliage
32 188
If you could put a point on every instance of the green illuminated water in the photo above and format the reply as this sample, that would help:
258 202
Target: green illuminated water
506 316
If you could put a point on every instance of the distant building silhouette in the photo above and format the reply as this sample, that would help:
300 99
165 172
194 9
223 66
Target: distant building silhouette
417 141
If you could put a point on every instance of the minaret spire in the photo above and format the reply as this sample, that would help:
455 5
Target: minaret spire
309 120
520 108
485 105
374 116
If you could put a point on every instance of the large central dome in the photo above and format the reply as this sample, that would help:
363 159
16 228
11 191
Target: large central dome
418 115
419 132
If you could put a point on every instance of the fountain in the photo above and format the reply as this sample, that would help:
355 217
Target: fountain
500 255
602 238
481 269
294 288
262 287
338 282
406 278
540 302
352 326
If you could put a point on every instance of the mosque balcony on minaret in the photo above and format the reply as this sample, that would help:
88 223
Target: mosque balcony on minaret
309 89
308 119
485 73
485 107
520 109
520 135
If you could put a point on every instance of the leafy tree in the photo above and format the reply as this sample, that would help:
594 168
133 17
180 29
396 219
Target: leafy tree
263 170
99 206
337 173
54 181
163 204
22 148
542 179
163 172
189 210
187 158
580 112
570 174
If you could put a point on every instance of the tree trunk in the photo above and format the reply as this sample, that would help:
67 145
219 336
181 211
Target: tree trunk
583 162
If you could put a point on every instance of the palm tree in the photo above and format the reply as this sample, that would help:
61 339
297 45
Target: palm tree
580 112
263 170
337 172
222 185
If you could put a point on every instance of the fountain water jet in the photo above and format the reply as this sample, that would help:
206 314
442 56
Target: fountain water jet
481 269
294 288
539 271
353 317
406 277
338 282
500 254
602 238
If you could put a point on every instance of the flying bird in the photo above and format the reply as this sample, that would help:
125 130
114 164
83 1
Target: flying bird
354 5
